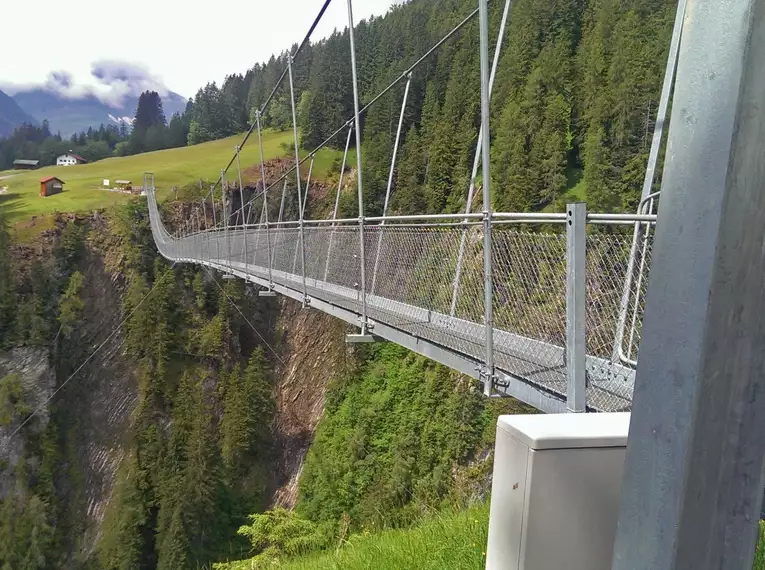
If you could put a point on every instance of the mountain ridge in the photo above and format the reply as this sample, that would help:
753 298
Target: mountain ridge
73 115
12 115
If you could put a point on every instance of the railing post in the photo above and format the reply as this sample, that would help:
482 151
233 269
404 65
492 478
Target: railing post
576 374
241 206
297 178
363 337
476 160
226 214
265 207
488 285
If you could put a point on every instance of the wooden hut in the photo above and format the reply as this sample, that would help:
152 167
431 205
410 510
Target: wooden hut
51 185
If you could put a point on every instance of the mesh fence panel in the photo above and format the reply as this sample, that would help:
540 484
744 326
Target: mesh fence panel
529 277
411 284
428 280
611 294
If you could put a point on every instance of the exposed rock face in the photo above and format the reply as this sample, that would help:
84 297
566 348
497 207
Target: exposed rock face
38 379
93 408
104 394
314 352
93 411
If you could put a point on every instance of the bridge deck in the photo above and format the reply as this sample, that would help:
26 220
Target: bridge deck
406 304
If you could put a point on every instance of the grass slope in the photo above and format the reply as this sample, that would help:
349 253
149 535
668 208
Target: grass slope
454 541
172 167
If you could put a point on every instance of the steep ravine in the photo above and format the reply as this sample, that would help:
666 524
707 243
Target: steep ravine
313 351
95 409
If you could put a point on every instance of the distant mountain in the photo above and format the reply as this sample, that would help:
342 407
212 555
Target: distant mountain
75 115
12 115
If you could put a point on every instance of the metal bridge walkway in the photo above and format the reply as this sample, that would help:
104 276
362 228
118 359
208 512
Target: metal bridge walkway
407 299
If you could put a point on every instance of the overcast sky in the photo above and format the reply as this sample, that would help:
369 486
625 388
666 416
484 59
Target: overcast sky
179 43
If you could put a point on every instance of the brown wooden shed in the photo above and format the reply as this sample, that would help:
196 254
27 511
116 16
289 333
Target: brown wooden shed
51 185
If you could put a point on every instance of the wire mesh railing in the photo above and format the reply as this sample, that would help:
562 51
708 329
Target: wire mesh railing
411 267
558 310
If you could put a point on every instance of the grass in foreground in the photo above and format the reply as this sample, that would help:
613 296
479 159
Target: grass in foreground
455 541
83 191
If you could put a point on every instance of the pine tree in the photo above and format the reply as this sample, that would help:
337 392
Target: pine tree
149 111
247 412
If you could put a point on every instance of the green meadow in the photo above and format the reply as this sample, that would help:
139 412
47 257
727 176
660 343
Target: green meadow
175 167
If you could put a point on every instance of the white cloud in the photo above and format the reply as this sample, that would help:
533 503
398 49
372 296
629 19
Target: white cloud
110 81
179 46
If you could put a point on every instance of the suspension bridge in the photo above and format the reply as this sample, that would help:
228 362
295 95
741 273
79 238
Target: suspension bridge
549 309
533 305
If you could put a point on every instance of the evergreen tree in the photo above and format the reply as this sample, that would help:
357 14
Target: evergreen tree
247 413
149 111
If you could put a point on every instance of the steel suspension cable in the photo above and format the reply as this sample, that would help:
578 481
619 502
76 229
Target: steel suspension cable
230 300
303 43
366 107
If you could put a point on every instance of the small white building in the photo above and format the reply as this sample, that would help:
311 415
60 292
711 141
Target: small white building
70 159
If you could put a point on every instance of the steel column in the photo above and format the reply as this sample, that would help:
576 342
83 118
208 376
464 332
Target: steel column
693 476
241 202
265 199
390 178
488 286
576 352
476 160
297 177
357 122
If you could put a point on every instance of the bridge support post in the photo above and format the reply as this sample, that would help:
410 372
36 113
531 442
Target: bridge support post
576 350
241 205
693 477
488 285
363 336
269 292
297 179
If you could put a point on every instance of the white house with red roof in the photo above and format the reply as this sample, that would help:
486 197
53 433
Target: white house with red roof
70 159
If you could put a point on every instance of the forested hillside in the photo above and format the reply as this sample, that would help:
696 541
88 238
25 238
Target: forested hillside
574 100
